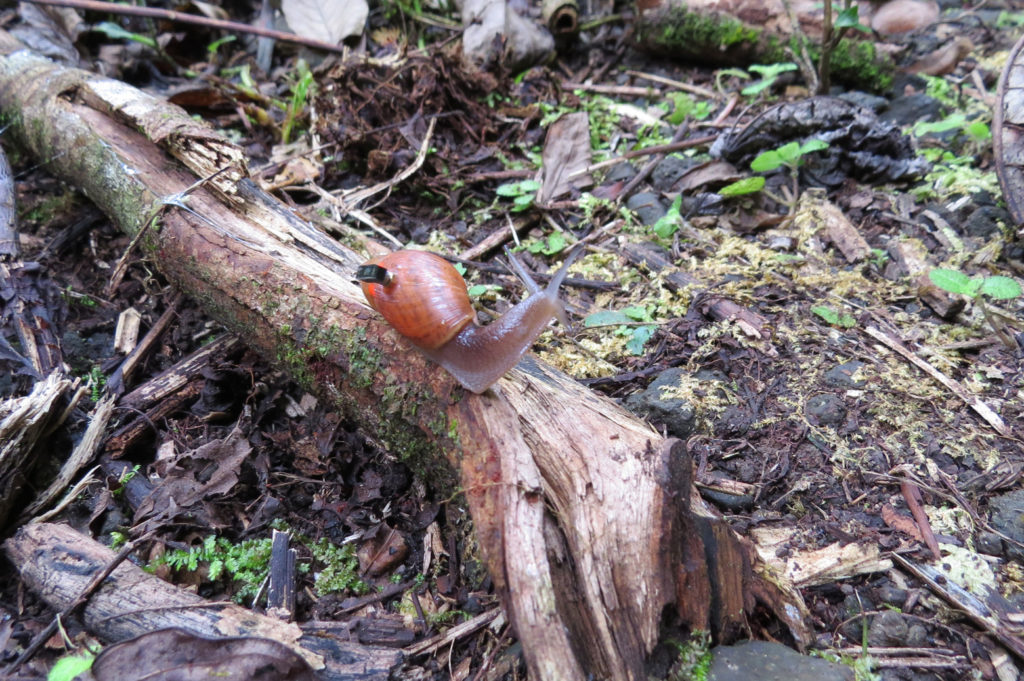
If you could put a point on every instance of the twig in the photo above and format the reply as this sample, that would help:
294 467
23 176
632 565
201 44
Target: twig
678 85
977 405
433 643
912 495
648 151
44 635
181 17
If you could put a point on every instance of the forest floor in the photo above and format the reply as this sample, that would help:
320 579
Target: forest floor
811 420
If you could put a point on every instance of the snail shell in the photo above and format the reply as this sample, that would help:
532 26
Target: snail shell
424 297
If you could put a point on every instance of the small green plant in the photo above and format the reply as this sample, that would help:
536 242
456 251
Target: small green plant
790 156
300 92
340 571
125 478
976 288
247 564
693 658
835 25
834 318
683 105
769 74
670 222
634 322
71 666
554 244
115 32
96 381
522 193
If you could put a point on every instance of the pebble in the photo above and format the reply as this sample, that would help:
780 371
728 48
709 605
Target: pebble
647 206
1008 517
674 413
767 661
825 410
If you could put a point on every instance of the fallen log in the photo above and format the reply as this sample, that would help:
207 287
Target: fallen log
58 563
585 516
744 32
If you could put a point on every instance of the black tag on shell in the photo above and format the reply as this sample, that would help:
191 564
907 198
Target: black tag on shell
372 274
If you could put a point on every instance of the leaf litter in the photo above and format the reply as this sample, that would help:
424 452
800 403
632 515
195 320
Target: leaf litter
816 477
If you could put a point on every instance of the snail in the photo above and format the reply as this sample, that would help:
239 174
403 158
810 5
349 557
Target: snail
425 299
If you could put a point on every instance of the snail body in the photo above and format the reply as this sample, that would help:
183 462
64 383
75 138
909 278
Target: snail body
425 299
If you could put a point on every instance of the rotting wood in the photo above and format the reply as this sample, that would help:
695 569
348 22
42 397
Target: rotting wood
58 563
24 423
586 517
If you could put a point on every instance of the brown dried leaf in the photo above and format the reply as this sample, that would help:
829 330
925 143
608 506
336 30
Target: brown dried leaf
382 553
566 155
179 655
210 470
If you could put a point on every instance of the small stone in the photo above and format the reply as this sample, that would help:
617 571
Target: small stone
676 414
767 661
668 171
1008 518
622 171
825 410
891 595
842 376
917 636
647 206
985 221
989 543
909 109
888 629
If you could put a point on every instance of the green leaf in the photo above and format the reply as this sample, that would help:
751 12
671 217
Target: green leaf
952 281
67 668
812 145
789 152
521 203
112 30
847 321
826 313
517 189
556 243
605 318
641 335
978 131
766 161
668 224
849 18
953 122
773 70
637 313
747 185
1003 288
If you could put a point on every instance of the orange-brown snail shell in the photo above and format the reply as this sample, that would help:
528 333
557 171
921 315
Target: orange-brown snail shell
424 298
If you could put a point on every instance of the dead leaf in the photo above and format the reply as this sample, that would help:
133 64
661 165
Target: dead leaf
382 553
179 655
717 172
210 470
324 20
566 157
900 523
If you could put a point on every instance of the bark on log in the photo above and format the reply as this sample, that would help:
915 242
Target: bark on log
58 563
586 517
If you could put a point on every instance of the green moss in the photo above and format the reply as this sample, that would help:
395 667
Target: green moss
340 571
